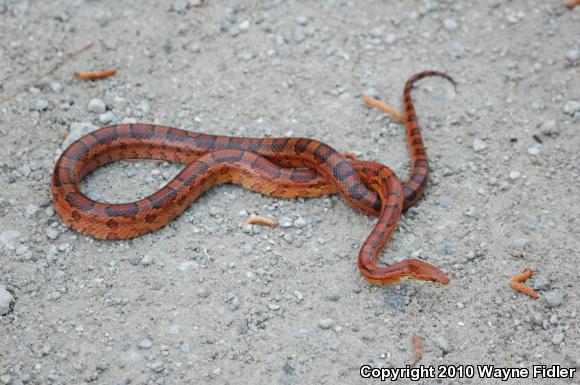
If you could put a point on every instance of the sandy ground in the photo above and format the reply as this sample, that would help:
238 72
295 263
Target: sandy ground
207 300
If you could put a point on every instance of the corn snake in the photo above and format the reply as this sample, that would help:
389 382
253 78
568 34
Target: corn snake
278 167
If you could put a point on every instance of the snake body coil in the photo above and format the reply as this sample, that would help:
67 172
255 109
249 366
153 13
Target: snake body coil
278 167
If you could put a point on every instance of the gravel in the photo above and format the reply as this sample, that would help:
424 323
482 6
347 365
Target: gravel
9 238
214 296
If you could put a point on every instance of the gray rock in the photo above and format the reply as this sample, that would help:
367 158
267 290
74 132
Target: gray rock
97 106
450 24
326 323
9 238
443 344
78 130
535 150
247 248
6 300
157 367
572 56
203 292
106 118
56 87
234 304
302 333
479 145
147 260
285 222
550 127
146 344
332 294
541 283
180 6
301 20
32 210
300 222
39 105
521 244
557 339
571 107
52 233
554 298
514 175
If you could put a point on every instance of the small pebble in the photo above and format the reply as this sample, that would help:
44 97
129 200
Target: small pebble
391 38
471 212
180 6
514 175
157 367
554 298
40 105
146 260
247 248
52 233
6 300
550 127
303 333
106 118
8 239
450 24
541 283
557 339
326 323
244 25
184 348
97 106
301 20
521 243
300 222
571 107
535 150
443 344
285 222
56 87
479 145
573 56
146 344
234 304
